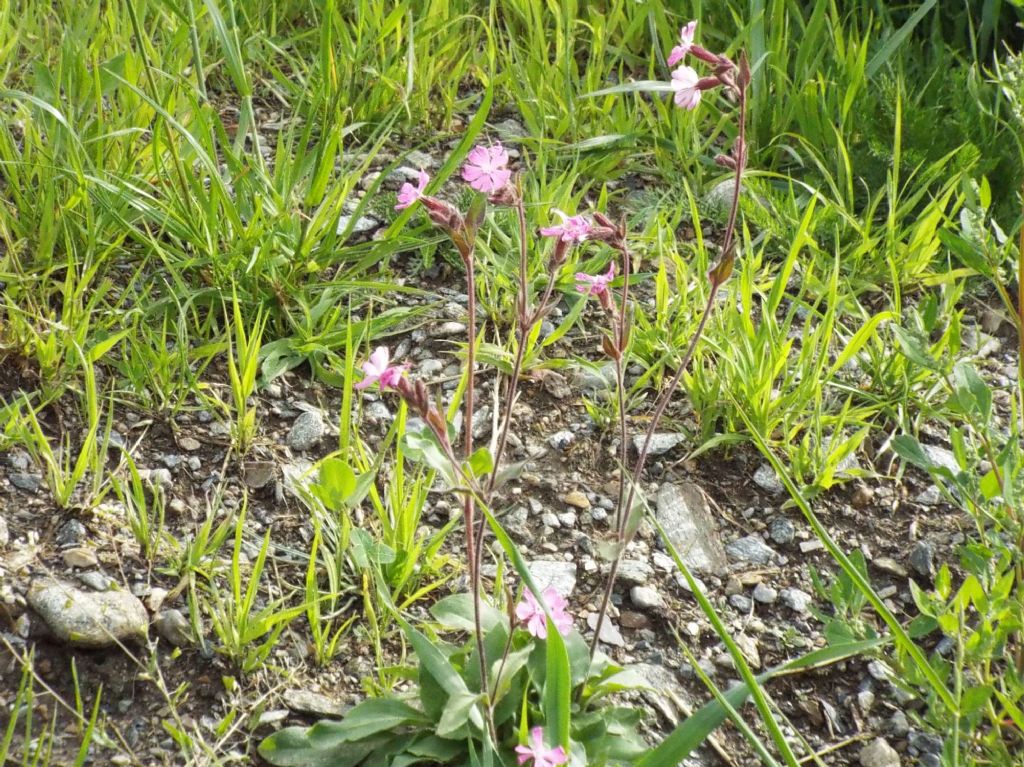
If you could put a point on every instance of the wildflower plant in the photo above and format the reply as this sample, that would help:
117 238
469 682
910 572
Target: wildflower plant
525 686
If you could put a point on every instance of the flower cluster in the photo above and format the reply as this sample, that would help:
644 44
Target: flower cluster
687 84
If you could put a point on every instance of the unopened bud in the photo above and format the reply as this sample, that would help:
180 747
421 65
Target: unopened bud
609 348
743 77
560 253
725 161
705 55
707 83
443 214
507 195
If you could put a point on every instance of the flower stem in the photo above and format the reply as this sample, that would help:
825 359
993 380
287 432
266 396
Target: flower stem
626 496
468 509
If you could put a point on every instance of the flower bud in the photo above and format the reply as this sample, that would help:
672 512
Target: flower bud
443 214
560 253
508 195
725 161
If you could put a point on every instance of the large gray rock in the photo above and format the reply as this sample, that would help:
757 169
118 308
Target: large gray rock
549 572
87 618
307 431
766 478
940 456
173 626
661 442
751 549
878 753
684 513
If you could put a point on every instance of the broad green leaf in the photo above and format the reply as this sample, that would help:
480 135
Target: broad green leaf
909 449
456 714
336 483
971 389
292 747
433 661
333 744
974 698
915 348
456 612
423 446
557 698
481 463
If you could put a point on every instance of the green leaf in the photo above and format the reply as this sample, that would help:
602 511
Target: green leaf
579 657
423 446
456 612
915 348
896 39
910 450
430 749
990 486
974 699
366 551
456 715
972 391
336 483
338 744
434 664
557 698
640 86
481 463
293 747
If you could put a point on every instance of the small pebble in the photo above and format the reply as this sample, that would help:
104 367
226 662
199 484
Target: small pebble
560 440
79 557
796 600
646 598
766 595
781 531
174 627
878 753
577 499
922 558
741 603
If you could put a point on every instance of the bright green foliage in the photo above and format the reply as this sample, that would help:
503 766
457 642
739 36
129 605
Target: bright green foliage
532 681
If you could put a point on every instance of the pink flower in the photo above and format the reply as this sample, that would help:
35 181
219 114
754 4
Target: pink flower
685 43
408 194
542 755
685 83
572 228
485 168
531 612
378 369
595 285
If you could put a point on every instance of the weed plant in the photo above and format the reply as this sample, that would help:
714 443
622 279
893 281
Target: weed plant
180 184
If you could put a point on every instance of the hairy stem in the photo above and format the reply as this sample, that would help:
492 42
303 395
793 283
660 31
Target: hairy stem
468 509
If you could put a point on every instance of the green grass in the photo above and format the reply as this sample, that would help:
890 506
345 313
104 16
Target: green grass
172 175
